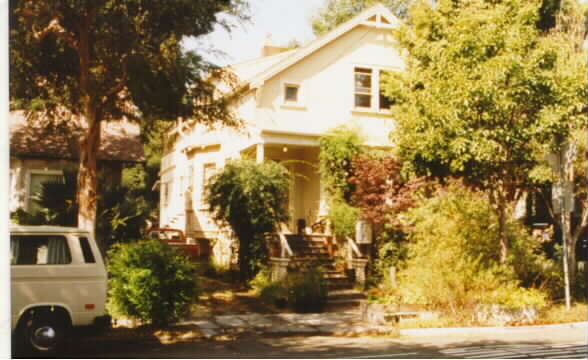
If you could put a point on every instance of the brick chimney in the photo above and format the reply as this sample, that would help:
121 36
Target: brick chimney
269 49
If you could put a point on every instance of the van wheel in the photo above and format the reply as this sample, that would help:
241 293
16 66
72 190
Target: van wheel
44 333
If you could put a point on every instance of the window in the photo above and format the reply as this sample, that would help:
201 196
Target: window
165 193
385 101
35 186
291 93
208 170
87 251
39 250
363 87
369 90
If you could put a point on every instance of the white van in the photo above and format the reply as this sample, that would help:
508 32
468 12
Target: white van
58 280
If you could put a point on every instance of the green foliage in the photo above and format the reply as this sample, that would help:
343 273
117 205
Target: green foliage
123 209
96 61
343 218
307 292
509 92
455 235
150 281
303 292
337 150
250 198
336 12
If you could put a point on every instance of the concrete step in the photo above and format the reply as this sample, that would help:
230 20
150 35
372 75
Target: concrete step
346 294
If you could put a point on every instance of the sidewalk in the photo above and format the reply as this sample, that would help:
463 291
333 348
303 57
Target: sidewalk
347 323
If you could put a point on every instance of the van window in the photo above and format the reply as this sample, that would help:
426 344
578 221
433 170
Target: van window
39 250
87 251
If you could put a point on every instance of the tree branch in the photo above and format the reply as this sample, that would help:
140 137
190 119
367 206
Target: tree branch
56 28
122 82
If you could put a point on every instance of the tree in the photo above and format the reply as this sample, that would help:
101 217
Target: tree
338 148
250 197
483 92
336 12
88 62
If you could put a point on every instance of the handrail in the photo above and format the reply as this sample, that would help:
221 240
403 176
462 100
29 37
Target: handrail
354 248
285 250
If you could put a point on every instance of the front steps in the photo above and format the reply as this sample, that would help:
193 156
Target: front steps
312 251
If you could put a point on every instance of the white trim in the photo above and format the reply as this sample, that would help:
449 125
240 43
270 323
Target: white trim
360 19
375 90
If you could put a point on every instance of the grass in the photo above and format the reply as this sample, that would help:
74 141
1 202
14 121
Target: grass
557 314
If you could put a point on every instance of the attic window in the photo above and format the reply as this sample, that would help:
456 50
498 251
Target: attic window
384 20
372 19
291 93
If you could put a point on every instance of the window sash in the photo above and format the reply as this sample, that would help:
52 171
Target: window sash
363 87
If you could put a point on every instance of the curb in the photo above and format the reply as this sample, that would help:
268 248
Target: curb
485 330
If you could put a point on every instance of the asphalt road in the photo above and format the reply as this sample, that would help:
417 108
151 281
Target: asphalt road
537 342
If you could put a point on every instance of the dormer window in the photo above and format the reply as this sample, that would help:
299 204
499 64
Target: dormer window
291 93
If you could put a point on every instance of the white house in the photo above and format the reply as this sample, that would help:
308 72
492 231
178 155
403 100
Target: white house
295 97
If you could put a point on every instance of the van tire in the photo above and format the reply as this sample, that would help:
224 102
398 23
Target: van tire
43 333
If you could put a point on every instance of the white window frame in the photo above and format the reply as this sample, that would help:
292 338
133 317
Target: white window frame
30 174
299 103
375 88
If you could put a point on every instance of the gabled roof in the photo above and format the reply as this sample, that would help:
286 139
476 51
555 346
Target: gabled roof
377 16
120 141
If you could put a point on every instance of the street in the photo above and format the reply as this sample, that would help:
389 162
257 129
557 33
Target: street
529 342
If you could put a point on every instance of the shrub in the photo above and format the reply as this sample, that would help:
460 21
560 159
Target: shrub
249 197
150 281
307 292
304 292
343 218
337 151
454 256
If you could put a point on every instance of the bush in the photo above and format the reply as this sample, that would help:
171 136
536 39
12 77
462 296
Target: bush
337 151
454 256
307 292
304 292
250 197
150 281
343 218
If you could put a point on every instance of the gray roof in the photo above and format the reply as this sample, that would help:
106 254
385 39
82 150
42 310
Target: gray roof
120 140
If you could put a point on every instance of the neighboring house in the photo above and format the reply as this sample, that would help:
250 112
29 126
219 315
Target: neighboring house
40 152
294 98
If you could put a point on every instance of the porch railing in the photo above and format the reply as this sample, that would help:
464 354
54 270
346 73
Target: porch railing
353 249
285 249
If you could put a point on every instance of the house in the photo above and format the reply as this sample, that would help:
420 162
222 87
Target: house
40 152
294 97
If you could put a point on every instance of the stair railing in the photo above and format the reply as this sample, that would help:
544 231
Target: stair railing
352 249
285 250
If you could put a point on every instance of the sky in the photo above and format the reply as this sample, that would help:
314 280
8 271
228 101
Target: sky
285 20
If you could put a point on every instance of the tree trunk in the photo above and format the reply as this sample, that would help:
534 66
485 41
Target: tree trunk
87 175
502 231
572 240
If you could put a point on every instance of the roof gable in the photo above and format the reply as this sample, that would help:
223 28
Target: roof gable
377 16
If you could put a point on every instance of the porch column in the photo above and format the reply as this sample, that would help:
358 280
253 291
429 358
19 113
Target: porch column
359 265
260 152
279 268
